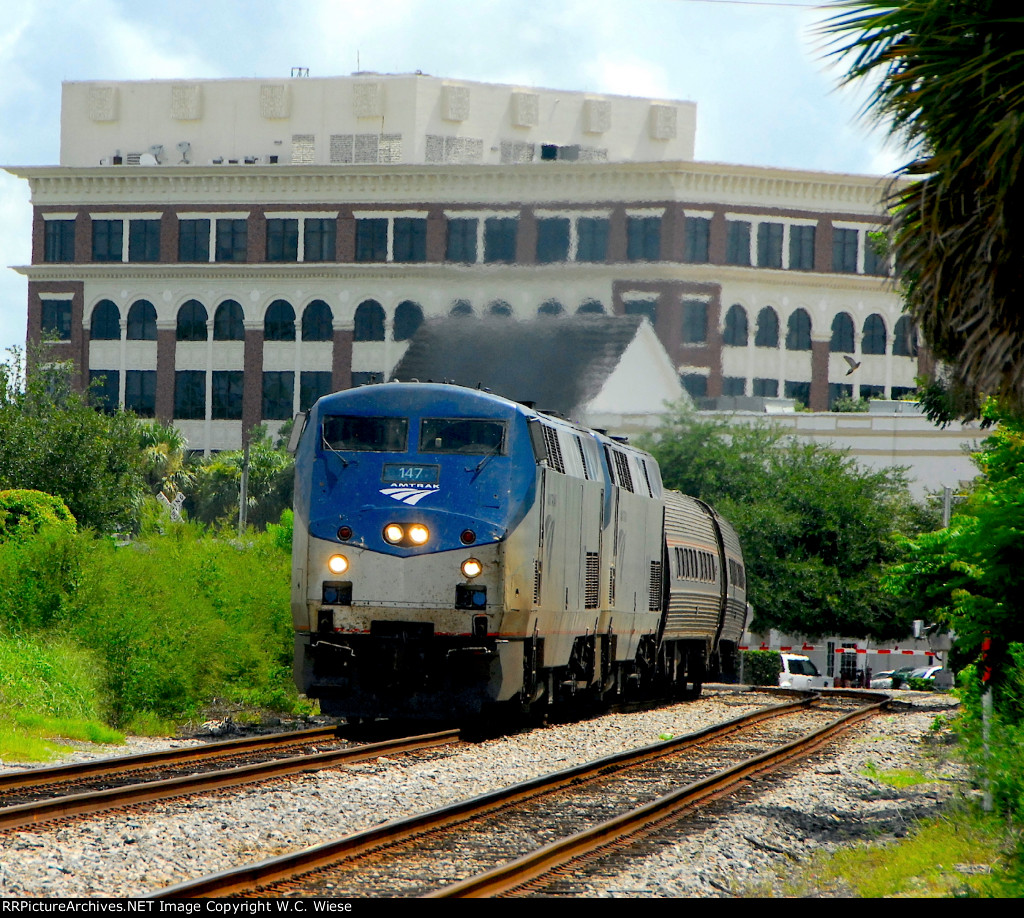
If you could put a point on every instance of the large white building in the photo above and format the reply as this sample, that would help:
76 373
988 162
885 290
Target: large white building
222 252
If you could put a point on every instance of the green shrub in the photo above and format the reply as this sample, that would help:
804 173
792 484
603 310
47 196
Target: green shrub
761 667
39 577
25 513
49 676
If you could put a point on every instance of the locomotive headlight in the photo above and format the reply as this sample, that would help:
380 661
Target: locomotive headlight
418 534
337 564
393 533
471 568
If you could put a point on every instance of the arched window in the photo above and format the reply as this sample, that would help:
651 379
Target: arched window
461 308
142 321
842 334
735 332
904 338
767 328
874 338
317 322
501 309
279 322
591 307
106 322
550 308
229 322
192 321
798 331
408 318
369 322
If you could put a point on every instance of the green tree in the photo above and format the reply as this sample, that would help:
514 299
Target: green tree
52 439
970 576
816 528
948 79
218 481
163 458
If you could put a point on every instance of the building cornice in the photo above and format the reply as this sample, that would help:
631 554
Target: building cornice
440 272
539 183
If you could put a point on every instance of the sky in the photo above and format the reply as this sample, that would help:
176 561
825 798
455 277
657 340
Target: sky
766 94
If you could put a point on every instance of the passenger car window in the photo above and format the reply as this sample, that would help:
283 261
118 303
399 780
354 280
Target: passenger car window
461 435
381 435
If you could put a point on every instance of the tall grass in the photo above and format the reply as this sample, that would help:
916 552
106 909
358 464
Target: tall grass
146 632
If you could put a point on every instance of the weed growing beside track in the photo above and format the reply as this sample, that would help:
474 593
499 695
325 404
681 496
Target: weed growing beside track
140 635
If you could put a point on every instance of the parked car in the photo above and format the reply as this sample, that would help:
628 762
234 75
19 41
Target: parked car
798 672
892 678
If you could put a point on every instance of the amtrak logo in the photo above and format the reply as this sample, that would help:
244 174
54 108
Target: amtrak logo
410 494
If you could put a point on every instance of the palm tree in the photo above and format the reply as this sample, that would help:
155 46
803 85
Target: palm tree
163 451
950 84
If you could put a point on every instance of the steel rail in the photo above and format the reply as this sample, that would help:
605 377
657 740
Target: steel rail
55 774
615 831
285 867
14 817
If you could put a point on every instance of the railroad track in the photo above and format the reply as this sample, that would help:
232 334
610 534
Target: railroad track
501 840
41 795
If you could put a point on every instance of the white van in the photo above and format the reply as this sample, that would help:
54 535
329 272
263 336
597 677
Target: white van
798 672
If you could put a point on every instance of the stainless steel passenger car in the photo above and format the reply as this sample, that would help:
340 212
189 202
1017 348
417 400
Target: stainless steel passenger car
455 551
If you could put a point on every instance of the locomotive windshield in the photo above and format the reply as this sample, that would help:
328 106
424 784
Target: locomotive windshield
462 435
381 435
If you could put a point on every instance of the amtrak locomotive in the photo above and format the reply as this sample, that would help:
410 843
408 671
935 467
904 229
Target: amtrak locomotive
454 551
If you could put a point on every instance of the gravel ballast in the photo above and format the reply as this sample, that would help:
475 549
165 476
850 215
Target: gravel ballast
825 803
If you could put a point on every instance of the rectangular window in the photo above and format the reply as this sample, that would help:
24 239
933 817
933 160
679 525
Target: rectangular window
282 239
193 240
837 391
372 239
868 391
647 308
734 386
232 240
462 435
107 240
143 240
103 387
769 245
140 392
366 378
844 250
697 240
552 239
643 238
737 242
696 384
376 435
695 322
313 385
500 239
57 319
593 239
874 261
410 242
278 390
320 239
766 388
798 391
190 395
226 398
59 240
801 248
461 240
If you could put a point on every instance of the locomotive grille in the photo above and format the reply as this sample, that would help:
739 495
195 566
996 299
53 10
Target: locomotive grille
654 601
592 588
553 448
583 458
611 586
536 582
622 469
